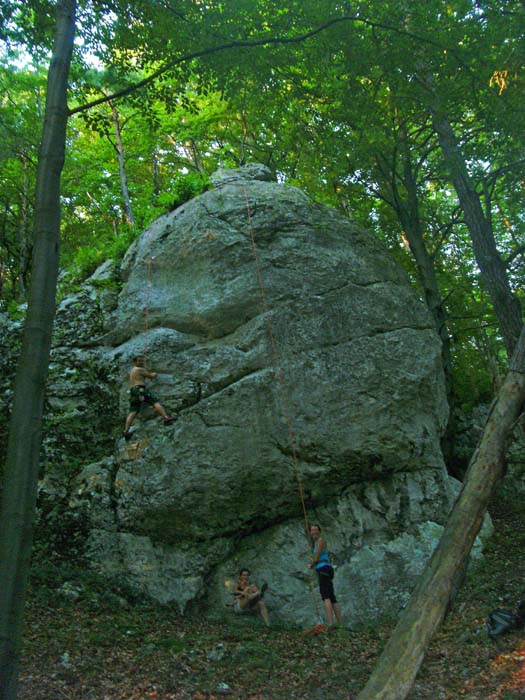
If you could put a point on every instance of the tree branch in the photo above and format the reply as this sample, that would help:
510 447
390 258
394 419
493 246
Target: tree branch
513 255
251 44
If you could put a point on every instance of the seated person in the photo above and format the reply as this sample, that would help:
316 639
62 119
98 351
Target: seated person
248 598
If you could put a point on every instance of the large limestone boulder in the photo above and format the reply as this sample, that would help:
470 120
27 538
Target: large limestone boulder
278 328
337 363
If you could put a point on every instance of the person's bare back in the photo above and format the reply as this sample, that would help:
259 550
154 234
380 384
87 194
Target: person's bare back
139 395
138 376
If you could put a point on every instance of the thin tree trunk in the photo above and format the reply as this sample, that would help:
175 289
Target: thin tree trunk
399 663
492 268
24 244
155 172
409 216
21 473
124 189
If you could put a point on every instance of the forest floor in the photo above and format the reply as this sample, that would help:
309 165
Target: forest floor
76 651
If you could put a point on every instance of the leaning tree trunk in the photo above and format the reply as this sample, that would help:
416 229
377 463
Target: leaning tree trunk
399 663
25 433
492 268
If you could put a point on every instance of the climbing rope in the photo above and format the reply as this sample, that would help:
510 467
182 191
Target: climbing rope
276 361
283 392
147 301
278 368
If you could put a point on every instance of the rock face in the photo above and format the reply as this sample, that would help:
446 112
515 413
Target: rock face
277 328
469 431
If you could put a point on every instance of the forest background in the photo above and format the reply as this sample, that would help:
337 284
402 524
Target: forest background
406 117
350 115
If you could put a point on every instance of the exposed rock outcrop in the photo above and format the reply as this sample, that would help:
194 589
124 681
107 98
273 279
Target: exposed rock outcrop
340 346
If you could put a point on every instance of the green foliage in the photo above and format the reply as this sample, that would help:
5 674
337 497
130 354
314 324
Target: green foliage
344 115
87 258
186 187
20 126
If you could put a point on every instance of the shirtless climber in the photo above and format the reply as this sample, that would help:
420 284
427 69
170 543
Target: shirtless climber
139 394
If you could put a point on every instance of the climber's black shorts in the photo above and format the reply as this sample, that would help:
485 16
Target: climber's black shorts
326 587
139 395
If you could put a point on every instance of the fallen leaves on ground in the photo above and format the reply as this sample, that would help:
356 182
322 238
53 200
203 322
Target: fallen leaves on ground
80 652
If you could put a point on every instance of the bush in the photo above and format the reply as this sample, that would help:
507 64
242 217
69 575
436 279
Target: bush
89 257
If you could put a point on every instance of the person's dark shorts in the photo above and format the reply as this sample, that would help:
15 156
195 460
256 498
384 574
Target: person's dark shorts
139 395
326 587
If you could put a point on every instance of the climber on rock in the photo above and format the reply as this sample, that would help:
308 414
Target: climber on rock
140 395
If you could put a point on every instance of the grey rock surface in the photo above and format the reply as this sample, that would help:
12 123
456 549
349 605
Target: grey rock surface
335 345
336 362
470 430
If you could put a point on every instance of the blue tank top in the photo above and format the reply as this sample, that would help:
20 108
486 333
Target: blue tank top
324 558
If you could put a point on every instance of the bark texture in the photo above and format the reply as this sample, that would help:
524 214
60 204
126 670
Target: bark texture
396 670
21 473
490 263
409 215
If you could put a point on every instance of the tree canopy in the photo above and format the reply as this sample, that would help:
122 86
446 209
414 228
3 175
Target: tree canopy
405 115
345 114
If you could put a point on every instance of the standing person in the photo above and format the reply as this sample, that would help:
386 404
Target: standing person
140 395
247 596
325 572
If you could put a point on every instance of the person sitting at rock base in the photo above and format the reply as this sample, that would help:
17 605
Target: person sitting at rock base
247 597
140 395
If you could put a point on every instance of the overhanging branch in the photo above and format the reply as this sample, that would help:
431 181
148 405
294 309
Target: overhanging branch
250 44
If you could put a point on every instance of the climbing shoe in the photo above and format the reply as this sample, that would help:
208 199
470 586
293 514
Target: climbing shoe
170 420
127 435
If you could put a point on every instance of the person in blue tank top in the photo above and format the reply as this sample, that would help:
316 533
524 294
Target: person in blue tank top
325 572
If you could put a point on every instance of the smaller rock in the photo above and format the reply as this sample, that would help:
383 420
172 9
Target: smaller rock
217 653
70 591
107 271
251 171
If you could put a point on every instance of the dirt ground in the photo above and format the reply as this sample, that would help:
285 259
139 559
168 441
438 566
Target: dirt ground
81 651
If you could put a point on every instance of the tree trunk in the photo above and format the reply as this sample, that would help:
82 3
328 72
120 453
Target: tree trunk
492 268
409 217
155 172
23 242
399 663
21 473
128 209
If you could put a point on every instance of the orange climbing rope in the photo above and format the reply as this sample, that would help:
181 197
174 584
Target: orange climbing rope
147 301
278 368
275 353
284 397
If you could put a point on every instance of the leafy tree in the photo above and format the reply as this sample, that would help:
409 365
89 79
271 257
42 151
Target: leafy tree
20 482
20 125
19 493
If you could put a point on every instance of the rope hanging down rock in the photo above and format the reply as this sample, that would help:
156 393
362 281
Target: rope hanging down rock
278 368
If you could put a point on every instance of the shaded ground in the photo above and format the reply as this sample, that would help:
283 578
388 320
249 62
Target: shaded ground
79 651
